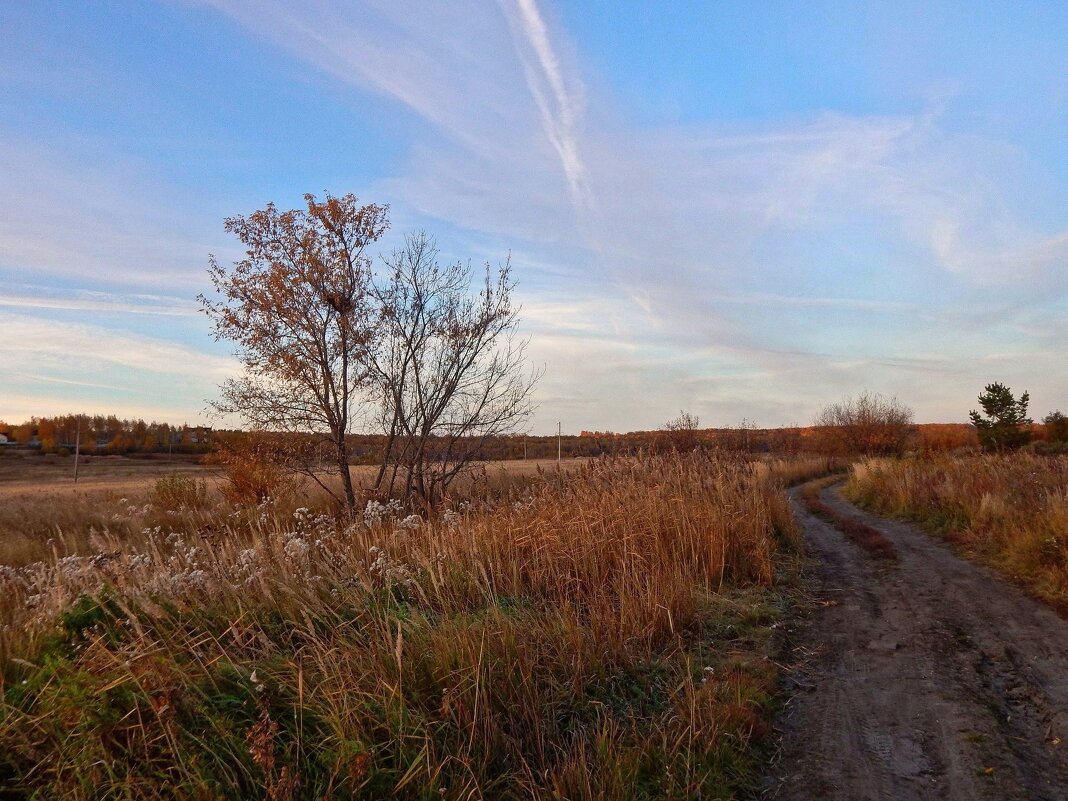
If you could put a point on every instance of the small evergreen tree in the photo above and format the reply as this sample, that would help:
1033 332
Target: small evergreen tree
1004 426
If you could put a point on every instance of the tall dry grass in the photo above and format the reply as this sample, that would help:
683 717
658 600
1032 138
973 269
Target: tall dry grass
1011 511
600 634
47 524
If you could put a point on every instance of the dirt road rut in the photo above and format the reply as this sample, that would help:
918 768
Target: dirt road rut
928 679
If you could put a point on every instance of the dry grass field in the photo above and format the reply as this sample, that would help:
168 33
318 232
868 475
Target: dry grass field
43 513
602 632
23 473
1011 511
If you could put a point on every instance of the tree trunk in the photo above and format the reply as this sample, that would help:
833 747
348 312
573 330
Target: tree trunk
346 475
387 452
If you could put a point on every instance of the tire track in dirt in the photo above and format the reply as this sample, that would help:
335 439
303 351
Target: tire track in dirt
930 679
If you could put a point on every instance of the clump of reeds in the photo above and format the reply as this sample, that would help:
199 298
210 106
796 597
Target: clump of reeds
177 492
599 634
1010 510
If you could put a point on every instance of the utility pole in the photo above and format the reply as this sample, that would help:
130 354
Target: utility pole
558 442
77 447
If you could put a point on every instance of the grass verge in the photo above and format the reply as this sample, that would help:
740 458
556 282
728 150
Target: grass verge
1009 512
605 634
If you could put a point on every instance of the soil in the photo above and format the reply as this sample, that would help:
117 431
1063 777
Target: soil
932 678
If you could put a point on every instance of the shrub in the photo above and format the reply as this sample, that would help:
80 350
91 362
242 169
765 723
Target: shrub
934 438
1056 427
869 424
680 434
256 469
176 491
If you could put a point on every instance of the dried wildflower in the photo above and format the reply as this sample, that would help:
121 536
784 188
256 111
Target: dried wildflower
376 512
191 580
391 572
296 548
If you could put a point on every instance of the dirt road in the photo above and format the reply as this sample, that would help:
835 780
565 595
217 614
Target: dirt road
928 679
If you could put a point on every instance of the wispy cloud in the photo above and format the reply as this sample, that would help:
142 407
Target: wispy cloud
55 366
760 252
84 210
557 103
432 59
471 69
721 265
37 378
27 342
85 300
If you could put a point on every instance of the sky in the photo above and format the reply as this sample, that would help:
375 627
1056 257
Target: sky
744 211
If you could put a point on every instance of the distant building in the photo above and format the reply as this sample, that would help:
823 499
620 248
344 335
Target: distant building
6 439
201 435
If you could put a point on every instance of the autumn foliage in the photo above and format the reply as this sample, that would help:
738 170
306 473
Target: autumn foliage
419 350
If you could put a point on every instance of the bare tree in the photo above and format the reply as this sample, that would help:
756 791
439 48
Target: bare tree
300 310
682 432
869 423
449 368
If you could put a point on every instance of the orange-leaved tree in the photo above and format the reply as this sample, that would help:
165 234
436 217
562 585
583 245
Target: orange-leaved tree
298 307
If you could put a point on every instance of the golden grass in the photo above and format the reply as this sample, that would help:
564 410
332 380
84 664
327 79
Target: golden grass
1009 511
598 634
23 472
44 514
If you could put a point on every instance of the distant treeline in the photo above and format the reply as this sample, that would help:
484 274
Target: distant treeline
112 435
106 434
109 434
367 448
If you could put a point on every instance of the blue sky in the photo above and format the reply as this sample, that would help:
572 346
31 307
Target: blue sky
741 210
